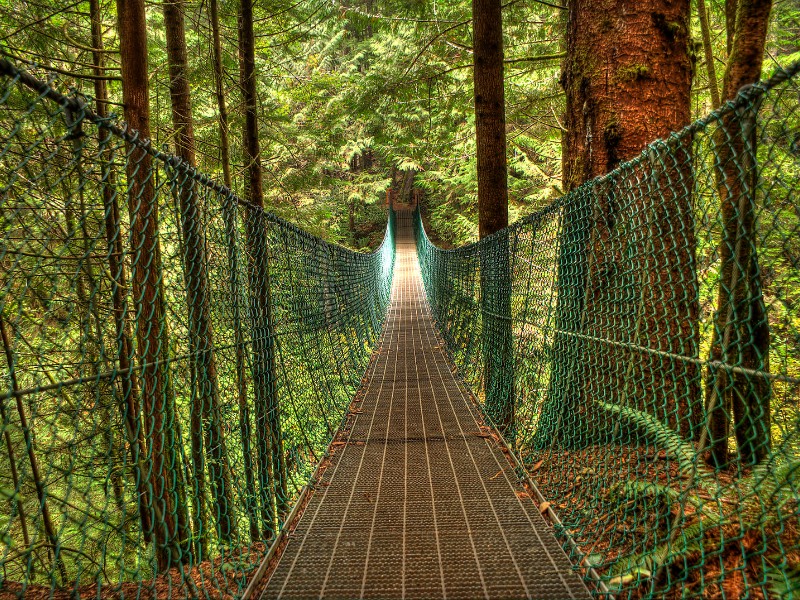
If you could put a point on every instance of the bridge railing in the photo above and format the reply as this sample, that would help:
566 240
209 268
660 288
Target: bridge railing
639 342
175 360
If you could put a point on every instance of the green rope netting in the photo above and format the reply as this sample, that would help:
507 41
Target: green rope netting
639 342
176 360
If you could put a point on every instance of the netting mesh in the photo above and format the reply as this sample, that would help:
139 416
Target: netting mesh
639 341
176 360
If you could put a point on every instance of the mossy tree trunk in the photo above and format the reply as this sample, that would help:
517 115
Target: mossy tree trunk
626 273
129 404
229 210
205 389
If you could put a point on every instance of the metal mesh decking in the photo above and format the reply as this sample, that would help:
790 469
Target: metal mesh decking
420 502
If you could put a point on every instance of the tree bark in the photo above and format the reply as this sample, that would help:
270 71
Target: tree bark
231 239
271 466
731 8
627 77
747 48
490 137
129 407
168 506
219 90
490 116
705 32
205 397
741 328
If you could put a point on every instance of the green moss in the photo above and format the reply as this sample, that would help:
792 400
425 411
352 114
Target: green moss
633 73
670 29
583 63
612 135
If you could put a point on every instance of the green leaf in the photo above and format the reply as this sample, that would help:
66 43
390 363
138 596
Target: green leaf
8 493
675 446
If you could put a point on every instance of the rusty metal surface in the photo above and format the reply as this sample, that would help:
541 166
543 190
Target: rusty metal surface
420 503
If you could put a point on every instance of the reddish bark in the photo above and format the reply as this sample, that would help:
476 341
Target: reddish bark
490 116
627 77
167 508
130 387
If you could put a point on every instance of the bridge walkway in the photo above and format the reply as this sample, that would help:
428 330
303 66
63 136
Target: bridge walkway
420 502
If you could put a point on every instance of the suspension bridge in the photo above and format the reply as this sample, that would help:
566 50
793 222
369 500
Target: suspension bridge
203 400
420 501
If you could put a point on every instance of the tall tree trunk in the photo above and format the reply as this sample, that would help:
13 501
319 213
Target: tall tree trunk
705 32
17 505
33 461
741 328
490 134
747 48
229 216
731 7
219 90
201 334
490 116
627 77
271 470
129 406
168 505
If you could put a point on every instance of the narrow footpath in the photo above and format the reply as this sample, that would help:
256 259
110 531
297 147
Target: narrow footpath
420 502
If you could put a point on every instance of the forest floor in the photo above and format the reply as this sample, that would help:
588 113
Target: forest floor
212 580
728 561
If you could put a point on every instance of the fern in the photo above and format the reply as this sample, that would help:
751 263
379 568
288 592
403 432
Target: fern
675 446
783 581
767 492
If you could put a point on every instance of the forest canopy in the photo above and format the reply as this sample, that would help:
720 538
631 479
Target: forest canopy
353 94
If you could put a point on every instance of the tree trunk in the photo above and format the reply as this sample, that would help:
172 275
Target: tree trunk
271 470
129 407
219 89
201 335
731 7
627 77
490 116
168 506
711 70
231 239
490 134
747 49
741 329
33 461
